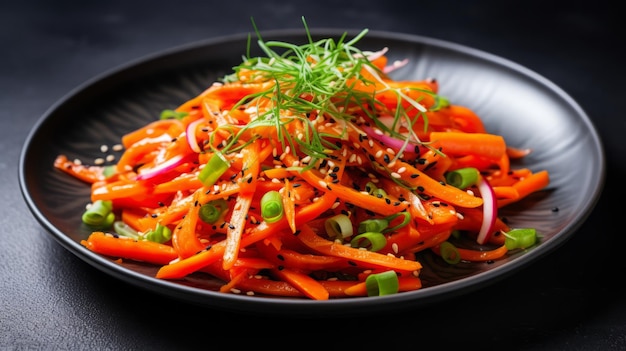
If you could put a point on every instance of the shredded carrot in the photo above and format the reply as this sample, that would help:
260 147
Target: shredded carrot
364 147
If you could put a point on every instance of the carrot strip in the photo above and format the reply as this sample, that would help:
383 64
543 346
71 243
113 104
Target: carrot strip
527 186
404 284
412 176
490 146
367 258
305 284
477 255
88 174
146 251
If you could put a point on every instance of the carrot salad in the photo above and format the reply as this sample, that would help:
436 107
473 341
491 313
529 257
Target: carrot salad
309 173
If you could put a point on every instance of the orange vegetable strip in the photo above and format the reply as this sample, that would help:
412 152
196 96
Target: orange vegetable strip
235 229
486 145
145 251
527 186
368 258
191 264
184 238
118 189
140 221
88 174
247 184
477 255
404 284
289 205
515 153
505 192
302 261
373 203
305 284
412 176
186 181
153 130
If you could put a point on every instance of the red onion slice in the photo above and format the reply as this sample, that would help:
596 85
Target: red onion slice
161 168
190 133
490 210
389 141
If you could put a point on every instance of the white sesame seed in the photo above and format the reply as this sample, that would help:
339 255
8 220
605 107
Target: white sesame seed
378 154
394 247
110 158
104 148
117 147
99 161
401 170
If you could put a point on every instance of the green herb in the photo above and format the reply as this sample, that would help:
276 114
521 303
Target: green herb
317 76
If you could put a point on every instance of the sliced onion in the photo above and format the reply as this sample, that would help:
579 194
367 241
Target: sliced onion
395 65
161 168
490 210
389 141
190 133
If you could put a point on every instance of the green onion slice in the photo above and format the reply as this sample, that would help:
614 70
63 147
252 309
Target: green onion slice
212 211
520 238
379 284
381 225
339 226
372 241
449 252
373 225
123 229
160 234
99 214
213 170
462 178
272 206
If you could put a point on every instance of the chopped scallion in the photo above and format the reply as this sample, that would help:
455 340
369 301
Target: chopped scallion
462 178
213 170
272 206
339 226
212 211
449 252
99 214
379 284
372 241
520 238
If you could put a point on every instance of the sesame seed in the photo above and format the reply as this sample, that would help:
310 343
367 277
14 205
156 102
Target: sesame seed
395 175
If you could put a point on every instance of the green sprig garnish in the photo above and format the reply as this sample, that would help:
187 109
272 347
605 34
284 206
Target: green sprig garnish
318 76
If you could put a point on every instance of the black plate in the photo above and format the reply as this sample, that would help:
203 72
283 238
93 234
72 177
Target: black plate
528 110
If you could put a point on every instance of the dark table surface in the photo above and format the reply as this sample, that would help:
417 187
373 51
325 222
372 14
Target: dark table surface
572 299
